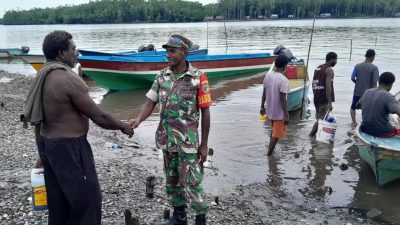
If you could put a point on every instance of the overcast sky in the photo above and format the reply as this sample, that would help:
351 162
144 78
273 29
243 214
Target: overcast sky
29 4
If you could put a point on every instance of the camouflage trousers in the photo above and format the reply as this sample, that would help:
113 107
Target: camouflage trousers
183 180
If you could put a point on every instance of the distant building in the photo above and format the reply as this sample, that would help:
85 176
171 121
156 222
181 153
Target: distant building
208 18
219 17
325 15
274 16
397 14
247 17
290 16
261 17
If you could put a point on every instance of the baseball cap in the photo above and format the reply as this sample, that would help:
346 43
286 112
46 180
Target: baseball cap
178 41
370 53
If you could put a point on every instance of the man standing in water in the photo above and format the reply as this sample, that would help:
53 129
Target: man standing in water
274 101
59 106
323 91
182 92
365 76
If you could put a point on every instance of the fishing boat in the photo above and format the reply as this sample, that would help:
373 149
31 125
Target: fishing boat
37 61
382 154
299 84
126 73
134 53
7 53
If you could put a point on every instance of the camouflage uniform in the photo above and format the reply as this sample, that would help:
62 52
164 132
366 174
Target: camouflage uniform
177 136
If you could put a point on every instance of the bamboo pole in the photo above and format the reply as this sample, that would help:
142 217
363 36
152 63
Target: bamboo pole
308 58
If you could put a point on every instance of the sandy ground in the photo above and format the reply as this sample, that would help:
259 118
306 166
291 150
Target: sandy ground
122 174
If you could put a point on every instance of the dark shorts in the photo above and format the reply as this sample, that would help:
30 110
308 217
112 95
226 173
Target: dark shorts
321 111
354 103
73 191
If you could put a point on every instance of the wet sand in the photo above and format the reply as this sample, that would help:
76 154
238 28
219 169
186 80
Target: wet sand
122 175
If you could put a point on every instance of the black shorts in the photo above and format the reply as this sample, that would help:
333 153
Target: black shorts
73 191
354 103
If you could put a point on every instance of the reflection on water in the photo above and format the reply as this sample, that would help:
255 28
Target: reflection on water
300 166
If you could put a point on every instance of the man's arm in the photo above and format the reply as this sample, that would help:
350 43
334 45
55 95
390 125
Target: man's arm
329 80
283 99
145 112
205 130
262 109
358 104
354 75
375 77
80 98
39 141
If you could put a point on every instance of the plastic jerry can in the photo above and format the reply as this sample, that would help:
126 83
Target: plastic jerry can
291 72
301 72
39 195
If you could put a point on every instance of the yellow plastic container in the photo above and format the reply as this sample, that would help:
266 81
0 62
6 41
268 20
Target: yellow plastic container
263 117
39 195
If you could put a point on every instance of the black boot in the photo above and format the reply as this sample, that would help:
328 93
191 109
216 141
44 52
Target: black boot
179 217
201 219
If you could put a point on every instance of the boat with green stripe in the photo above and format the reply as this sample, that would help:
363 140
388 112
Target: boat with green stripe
126 73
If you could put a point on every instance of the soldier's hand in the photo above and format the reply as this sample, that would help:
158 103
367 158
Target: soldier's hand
128 130
202 153
134 123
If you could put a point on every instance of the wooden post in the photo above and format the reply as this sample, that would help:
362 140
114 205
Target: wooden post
351 48
226 38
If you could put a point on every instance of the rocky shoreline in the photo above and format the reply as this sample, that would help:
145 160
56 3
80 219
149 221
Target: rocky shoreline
123 172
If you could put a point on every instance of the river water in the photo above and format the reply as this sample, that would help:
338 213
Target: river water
302 166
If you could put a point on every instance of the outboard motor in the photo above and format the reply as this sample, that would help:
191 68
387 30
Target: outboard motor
280 49
25 49
194 47
146 48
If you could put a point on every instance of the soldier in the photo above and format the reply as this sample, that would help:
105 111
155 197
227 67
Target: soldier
182 92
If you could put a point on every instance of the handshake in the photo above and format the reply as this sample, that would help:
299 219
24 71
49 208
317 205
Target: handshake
128 128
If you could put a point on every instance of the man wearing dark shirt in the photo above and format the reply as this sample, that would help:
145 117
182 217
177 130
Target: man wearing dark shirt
323 91
377 104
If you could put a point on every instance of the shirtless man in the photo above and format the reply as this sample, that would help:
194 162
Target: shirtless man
73 191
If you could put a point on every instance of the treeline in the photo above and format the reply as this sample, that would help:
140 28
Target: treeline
131 11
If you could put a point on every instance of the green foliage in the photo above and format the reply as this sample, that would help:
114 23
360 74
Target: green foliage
132 11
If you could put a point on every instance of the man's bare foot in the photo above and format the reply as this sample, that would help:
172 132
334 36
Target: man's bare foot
354 124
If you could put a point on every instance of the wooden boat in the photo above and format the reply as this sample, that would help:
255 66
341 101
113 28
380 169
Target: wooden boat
382 154
37 61
124 73
7 53
134 53
297 76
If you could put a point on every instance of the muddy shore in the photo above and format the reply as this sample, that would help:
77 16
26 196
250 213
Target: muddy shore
123 172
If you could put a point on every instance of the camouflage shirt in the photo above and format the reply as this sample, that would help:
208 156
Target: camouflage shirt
179 98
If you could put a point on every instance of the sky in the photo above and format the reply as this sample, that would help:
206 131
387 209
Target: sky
29 4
